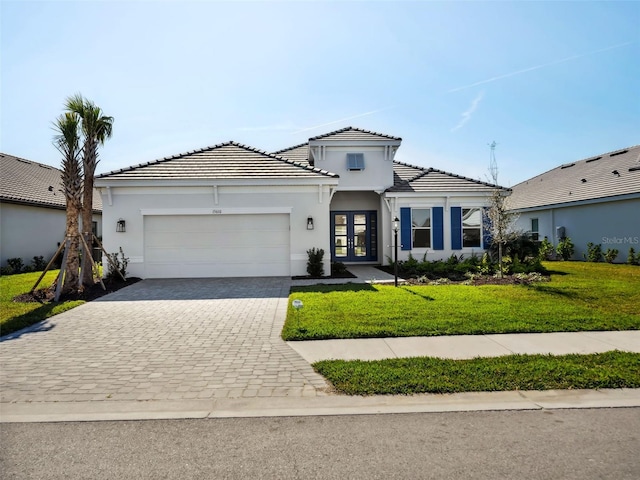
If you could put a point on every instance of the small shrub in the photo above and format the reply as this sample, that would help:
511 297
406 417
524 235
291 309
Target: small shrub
121 264
338 268
545 250
486 267
594 252
15 264
38 263
315 268
565 248
610 255
632 258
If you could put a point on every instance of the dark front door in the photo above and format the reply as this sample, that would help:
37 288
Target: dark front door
354 236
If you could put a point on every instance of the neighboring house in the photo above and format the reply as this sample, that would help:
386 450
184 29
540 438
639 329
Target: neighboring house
232 210
593 200
32 210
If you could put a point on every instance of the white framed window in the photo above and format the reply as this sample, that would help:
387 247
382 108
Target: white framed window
421 227
471 227
355 161
535 230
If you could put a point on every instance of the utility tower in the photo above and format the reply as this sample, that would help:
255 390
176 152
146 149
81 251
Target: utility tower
493 165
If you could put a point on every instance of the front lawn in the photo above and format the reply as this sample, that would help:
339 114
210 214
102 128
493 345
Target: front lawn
581 296
15 316
514 372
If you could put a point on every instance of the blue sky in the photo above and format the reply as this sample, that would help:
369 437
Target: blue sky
549 82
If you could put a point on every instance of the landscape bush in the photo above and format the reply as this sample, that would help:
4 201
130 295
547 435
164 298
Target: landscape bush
610 255
565 248
315 267
594 252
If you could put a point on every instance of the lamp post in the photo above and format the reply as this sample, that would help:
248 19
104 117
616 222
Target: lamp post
395 243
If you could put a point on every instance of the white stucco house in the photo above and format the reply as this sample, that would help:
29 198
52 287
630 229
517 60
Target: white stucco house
33 210
595 200
232 210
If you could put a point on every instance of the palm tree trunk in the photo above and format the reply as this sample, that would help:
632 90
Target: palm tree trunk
73 264
87 221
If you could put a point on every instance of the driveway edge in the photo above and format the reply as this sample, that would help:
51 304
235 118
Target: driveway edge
317 406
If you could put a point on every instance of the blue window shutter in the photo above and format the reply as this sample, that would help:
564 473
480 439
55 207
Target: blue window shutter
437 223
456 228
405 228
487 239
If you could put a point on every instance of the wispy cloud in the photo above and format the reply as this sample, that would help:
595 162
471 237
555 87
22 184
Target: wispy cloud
466 115
343 119
537 67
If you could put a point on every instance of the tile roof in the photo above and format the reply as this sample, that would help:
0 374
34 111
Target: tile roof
607 175
30 183
352 133
229 160
409 178
297 153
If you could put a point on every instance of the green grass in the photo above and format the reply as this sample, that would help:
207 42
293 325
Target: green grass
15 316
580 296
514 372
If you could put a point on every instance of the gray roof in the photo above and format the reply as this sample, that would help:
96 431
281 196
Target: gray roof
297 153
608 175
426 180
30 183
229 160
357 134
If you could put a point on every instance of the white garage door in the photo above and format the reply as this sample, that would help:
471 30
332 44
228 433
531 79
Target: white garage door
216 246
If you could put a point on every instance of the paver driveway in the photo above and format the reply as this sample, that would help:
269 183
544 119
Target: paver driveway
162 339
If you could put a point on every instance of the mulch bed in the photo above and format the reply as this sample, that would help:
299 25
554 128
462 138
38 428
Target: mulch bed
46 295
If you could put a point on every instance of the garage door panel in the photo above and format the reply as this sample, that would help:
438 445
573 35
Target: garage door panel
217 246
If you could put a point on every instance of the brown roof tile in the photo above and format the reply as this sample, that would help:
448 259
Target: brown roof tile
226 160
607 175
31 183
352 133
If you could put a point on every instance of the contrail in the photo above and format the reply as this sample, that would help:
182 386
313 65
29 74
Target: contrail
466 115
537 67
343 119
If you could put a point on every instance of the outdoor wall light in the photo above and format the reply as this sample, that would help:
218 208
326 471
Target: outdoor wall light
309 223
396 225
121 226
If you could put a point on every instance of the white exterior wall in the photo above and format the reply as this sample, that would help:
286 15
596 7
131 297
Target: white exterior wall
29 231
376 176
613 224
131 203
453 200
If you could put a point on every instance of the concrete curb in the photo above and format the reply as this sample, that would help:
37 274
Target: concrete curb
316 406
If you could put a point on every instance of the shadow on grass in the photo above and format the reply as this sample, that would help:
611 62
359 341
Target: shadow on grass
346 287
554 291
13 328
424 297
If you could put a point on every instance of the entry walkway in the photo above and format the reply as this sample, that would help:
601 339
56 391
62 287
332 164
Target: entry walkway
468 346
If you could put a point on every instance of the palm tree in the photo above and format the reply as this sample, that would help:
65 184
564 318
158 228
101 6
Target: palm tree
96 128
67 141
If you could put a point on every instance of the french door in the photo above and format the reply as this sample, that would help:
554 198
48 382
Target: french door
354 236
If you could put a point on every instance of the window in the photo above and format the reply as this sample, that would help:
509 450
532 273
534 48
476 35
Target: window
421 227
535 235
471 227
355 161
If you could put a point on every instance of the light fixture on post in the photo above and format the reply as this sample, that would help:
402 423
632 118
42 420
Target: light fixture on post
309 223
396 225
121 226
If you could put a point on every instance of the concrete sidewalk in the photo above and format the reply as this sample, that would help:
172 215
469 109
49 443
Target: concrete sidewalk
468 346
